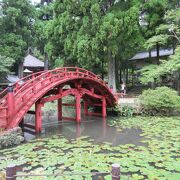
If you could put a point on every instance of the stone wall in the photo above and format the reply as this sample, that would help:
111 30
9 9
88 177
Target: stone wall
11 137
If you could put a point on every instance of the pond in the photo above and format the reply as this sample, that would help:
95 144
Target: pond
93 127
145 148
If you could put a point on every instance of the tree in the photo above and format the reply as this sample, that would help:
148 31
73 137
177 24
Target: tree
169 32
15 32
89 33
119 42
44 13
5 65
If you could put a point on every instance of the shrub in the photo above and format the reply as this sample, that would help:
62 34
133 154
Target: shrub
127 111
162 100
114 111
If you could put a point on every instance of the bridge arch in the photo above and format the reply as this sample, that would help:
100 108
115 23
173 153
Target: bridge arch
39 88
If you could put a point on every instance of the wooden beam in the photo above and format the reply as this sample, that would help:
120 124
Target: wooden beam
38 117
94 114
104 107
32 126
59 108
78 108
68 118
31 112
66 104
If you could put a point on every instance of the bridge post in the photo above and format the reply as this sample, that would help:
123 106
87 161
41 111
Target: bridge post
59 109
11 172
104 114
38 117
21 124
85 108
116 173
78 108
10 103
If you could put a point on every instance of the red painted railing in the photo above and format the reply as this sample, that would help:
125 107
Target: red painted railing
67 71
25 88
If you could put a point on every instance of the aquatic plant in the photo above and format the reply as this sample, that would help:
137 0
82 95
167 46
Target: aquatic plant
158 159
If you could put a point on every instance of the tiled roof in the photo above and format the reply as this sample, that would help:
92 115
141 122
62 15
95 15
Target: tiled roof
144 55
12 78
31 61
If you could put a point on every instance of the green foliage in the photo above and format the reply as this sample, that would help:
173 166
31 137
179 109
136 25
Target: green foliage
13 46
160 39
153 73
166 33
5 65
127 111
114 111
155 12
15 28
44 13
162 100
84 32
149 73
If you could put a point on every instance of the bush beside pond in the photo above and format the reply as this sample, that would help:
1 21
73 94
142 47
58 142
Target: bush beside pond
11 137
162 101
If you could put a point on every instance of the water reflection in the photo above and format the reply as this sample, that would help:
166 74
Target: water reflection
94 127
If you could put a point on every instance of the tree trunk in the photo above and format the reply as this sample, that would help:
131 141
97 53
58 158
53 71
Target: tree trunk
111 72
46 64
102 69
120 75
153 85
117 73
157 49
127 79
132 76
20 70
124 75
177 81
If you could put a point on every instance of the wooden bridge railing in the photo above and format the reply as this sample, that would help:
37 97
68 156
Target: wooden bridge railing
26 88
20 85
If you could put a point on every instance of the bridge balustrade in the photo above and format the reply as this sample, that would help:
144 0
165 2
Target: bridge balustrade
35 85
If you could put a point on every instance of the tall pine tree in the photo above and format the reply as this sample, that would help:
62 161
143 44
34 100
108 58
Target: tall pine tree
89 32
15 32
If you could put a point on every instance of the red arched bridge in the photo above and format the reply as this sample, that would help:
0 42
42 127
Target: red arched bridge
47 86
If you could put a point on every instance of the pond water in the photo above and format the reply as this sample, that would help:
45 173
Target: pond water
94 127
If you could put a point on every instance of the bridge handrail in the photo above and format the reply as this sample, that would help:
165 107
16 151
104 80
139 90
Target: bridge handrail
17 84
59 71
3 93
32 77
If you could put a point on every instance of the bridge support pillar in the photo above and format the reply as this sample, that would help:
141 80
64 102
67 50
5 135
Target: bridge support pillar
78 108
21 124
60 109
38 117
85 108
104 114
10 103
